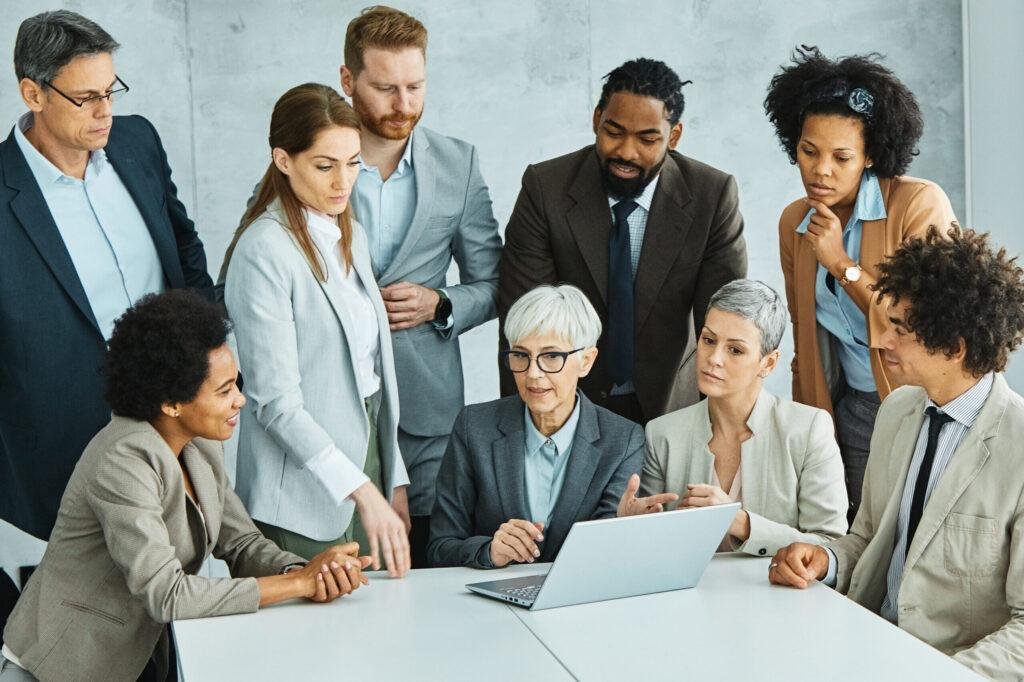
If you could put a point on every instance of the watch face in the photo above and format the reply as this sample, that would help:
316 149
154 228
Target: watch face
852 273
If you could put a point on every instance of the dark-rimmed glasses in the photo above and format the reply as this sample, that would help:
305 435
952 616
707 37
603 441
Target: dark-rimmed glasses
549 362
111 95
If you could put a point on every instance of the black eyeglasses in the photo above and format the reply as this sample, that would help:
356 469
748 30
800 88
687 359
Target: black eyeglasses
550 362
113 94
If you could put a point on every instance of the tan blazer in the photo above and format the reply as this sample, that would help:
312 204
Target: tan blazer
793 485
911 206
122 558
963 584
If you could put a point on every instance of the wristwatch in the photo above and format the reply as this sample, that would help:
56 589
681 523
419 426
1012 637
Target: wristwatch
444 308
851 274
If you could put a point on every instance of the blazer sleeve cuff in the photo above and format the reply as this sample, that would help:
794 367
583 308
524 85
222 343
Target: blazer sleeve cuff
336 473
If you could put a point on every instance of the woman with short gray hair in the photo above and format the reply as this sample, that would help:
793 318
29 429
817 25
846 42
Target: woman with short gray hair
778 458
521 470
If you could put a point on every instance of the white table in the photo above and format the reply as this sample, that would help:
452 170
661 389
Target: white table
734 625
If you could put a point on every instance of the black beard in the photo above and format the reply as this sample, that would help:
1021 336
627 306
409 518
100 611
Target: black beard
620 189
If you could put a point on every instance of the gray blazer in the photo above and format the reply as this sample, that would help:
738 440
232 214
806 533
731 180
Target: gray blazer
793 485
122 558
482 482
300 380
452 219
963 583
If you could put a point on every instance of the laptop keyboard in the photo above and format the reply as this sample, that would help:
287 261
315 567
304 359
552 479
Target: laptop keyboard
528 593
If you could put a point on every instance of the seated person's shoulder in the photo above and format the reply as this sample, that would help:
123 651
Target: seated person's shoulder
608 421
667 428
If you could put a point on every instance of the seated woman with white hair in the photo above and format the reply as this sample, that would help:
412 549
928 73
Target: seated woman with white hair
743 444
521 470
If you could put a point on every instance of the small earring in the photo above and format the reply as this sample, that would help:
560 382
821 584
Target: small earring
177 413
763 374
868 165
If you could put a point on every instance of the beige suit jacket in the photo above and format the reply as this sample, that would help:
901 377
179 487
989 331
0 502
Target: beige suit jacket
122 558
793 485
963 584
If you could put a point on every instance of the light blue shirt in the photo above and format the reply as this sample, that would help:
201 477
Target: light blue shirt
637 222
546 460
103 231
837 312
385 207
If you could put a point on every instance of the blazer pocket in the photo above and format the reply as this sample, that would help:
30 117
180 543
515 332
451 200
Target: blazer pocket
970 545
92 611
441 223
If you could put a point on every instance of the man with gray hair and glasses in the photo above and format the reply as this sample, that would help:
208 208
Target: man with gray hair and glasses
90 222
519 471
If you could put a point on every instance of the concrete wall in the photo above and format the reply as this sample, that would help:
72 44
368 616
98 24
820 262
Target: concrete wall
519 80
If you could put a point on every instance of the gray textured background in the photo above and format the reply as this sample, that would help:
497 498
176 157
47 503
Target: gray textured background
519 80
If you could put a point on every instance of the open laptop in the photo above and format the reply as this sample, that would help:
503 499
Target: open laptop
658 552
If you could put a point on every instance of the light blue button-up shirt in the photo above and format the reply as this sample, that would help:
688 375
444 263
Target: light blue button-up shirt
837 312
385 207
546 460
103 231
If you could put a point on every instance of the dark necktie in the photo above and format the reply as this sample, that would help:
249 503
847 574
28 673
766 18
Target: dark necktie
620 297
936 420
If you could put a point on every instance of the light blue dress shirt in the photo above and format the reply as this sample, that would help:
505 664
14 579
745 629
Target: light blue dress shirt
103 231
546 460
385 207
637 222
837 312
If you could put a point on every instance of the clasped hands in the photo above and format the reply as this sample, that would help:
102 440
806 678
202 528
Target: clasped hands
333 573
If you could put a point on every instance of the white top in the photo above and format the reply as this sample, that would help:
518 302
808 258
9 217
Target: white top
364 337
9 655
735 494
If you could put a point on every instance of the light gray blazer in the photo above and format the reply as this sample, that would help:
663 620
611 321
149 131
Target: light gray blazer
453 219
122 558
793 481
963 583
300 380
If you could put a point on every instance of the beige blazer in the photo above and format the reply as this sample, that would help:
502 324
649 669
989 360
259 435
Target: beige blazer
793 485
911 206
122 558
963 584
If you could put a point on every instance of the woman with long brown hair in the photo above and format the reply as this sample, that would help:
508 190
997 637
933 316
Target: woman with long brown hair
319 430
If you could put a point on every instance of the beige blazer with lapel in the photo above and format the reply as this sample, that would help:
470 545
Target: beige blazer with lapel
122 558
963 583
911 206
793 486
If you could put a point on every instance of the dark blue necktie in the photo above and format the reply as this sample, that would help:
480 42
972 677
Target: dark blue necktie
620 297
936 420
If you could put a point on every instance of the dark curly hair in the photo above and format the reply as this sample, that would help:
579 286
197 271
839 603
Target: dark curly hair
814 84
649 78
159 352
957 287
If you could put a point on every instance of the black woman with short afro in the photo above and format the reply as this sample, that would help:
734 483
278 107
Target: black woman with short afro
852 129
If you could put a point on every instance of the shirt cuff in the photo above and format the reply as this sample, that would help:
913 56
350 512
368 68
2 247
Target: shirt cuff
833 568
336 473
483 555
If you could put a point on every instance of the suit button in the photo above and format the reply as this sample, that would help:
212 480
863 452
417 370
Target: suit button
762 551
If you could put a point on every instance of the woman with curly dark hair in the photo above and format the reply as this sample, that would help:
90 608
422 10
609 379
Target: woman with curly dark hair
147 503
852 128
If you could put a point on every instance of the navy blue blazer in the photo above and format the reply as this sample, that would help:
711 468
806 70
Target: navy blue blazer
51 348
481 483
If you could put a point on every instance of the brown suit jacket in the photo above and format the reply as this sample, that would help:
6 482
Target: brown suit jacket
911 206
693 244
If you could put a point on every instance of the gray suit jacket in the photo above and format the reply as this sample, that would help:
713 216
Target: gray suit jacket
482 482
300 380
793 487
452 219
963 583
122 557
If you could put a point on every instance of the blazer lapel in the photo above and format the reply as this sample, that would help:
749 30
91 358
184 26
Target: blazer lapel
509 456
149 199
30 208
579 475
755 452
424 170
205 486
590 221
902 452
665 237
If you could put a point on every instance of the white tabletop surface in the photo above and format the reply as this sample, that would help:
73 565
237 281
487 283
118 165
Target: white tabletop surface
734 625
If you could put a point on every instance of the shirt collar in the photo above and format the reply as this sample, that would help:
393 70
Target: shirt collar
404 164
324 230
645 198
966 407
42 168
562 438
869 205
